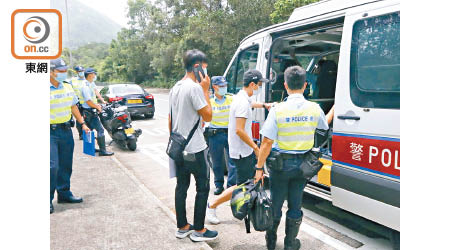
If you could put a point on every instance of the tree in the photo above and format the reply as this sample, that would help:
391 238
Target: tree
284 9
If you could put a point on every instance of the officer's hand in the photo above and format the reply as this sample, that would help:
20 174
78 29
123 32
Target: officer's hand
85 128
259 175
99 108
205 82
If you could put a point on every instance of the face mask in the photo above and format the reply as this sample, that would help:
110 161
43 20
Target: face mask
205 70
222 91
81 74
61 76
256 92
95 78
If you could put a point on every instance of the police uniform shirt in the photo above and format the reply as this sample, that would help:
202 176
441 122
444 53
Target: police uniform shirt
270 128
88 95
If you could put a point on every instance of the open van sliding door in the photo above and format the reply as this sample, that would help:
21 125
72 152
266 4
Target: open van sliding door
365 176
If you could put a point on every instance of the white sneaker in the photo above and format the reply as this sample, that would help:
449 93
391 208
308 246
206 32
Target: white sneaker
211 216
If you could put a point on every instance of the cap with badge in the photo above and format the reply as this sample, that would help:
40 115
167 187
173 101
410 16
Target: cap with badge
78 68
253 75
89 71
58 64
219 81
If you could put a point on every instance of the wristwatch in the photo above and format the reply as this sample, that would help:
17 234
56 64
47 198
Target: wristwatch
261 168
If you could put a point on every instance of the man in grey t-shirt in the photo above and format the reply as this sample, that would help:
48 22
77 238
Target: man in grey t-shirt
189 103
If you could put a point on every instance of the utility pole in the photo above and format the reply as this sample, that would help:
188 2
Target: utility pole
68 36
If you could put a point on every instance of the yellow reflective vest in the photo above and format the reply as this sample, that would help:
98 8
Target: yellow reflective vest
221 112
296 127
77 85
61 104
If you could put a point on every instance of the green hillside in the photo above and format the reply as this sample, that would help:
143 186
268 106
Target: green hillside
86 24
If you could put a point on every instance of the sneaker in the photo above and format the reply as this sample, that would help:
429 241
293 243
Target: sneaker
218 190
183 233
211 216
206 236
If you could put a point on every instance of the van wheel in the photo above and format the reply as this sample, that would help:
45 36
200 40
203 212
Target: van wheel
150 116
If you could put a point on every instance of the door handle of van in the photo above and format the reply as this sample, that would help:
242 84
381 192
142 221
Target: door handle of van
348 117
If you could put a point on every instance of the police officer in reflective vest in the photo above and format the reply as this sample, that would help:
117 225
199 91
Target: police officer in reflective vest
77 84
91 109
289 133
62 106
218 134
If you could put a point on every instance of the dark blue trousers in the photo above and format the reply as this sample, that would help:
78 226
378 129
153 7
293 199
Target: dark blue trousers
95 124
218 144
61 155
288 184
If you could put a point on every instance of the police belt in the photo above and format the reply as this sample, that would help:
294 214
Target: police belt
285 156
215 131
65 125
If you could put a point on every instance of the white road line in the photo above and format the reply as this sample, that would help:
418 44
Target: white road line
156 131
324 237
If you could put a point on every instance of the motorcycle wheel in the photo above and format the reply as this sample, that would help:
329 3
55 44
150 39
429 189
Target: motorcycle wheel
131 144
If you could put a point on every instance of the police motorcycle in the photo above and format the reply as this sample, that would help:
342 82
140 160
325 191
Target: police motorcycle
116 120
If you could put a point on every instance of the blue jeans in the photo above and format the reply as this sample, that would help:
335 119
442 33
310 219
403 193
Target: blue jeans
94 123
217 144
288 184
61 155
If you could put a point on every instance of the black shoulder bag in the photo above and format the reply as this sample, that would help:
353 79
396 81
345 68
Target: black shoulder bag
311 164
177 143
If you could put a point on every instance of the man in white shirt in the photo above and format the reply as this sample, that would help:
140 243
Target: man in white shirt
241 146
243 150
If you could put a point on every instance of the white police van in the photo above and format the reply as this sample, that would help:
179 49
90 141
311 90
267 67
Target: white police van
351 52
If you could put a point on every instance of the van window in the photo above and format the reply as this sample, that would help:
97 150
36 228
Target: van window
230 76
246 60
375 62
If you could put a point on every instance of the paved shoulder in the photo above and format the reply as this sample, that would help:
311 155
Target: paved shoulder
117 212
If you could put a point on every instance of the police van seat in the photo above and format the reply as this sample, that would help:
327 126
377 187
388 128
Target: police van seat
326 83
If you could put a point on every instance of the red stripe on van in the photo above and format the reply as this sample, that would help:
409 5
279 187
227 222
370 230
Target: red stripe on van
381 156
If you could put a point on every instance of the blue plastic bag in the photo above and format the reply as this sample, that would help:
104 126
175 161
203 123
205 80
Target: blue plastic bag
89 143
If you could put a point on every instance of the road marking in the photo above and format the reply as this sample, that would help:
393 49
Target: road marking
324 237
156 152
156 132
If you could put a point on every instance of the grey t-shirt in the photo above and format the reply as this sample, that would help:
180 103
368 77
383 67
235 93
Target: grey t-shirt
185 99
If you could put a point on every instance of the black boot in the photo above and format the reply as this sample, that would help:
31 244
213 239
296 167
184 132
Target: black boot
102 146
271 234
290 241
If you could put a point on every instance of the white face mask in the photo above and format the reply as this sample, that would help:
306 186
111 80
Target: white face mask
256 92
205 70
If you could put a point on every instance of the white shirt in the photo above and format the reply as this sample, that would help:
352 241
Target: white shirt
241 107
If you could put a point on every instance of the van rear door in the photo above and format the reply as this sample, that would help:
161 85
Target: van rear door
365 177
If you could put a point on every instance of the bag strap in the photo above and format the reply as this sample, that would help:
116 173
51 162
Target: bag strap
192 130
